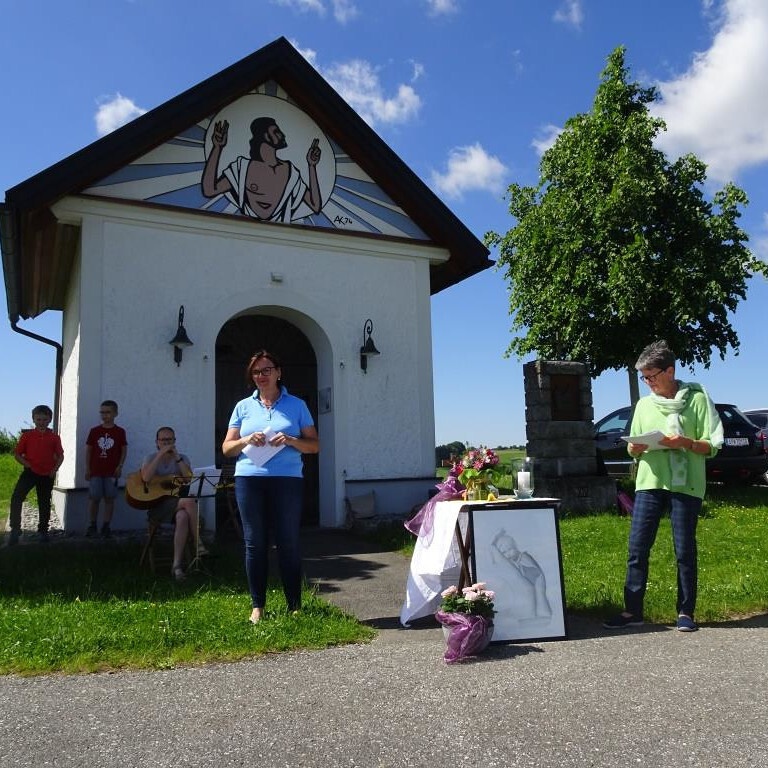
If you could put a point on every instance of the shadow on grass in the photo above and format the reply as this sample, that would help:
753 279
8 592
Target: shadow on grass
107 570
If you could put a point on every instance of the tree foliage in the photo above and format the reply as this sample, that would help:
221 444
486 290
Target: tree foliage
445 452
617 246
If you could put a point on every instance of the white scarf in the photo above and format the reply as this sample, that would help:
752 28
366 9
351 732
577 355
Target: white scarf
671 408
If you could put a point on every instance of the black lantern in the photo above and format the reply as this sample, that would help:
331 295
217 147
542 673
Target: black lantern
369 348
180 340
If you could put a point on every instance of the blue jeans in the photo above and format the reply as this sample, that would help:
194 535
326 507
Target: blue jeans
264 503
684 515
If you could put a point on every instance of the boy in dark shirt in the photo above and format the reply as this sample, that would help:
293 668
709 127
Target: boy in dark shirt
39 451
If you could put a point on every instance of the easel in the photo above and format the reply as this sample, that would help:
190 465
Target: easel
463 542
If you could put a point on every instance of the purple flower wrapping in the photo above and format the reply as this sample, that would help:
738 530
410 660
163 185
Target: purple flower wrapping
469 636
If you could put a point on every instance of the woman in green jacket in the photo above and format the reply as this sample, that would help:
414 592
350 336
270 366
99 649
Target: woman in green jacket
670 475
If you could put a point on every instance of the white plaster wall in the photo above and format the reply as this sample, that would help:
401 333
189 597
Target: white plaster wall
70 341
139 264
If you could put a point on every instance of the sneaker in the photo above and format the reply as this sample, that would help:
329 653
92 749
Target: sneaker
91 530
13 537
42 537
178 573
621 621
686 624
106 531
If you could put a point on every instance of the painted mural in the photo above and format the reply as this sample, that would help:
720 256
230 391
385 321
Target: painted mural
261 157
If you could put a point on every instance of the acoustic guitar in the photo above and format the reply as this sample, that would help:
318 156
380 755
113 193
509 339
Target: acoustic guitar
145 494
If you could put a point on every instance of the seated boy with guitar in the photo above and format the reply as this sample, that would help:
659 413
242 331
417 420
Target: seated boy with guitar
169 463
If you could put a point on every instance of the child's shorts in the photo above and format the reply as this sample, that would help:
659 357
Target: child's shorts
103 487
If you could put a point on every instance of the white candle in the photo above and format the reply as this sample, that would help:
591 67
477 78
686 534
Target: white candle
524 481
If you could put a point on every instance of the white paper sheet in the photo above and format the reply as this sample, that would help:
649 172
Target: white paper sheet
261 454
651 439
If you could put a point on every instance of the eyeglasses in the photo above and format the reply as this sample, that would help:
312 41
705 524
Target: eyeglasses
166 439
263 371
650 379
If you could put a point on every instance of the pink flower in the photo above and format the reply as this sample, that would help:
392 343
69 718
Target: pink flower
479 586
471 595
489 593
452 590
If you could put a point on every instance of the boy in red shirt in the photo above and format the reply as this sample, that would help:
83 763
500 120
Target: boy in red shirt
39 451
105 451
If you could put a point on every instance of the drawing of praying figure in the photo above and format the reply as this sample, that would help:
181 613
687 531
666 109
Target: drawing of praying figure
263 186
526 596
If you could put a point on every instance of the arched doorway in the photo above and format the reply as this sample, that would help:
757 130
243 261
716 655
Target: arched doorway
238 339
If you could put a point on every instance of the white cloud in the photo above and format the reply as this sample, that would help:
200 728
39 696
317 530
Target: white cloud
517 61
761 243
344 10
115 111
547 137
718 109
418 70
357 81
570 12
438 7
308 53
470 168
303 6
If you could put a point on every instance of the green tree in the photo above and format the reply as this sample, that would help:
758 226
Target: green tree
444 452
617 246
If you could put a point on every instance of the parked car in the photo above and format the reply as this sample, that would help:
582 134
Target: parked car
612 449
744 455
759 417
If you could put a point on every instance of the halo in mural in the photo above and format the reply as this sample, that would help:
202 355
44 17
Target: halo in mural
270 159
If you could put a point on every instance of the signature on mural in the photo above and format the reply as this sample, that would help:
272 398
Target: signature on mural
263 185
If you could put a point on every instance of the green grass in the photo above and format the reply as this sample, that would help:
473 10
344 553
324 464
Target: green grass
733 560
82 607
76 607
10 469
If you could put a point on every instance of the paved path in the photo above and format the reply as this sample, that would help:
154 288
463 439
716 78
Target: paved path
653 697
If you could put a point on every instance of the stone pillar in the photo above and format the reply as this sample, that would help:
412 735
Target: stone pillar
560 432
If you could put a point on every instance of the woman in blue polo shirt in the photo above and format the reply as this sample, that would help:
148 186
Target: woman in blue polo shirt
269 489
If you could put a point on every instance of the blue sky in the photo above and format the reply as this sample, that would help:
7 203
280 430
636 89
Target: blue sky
467 92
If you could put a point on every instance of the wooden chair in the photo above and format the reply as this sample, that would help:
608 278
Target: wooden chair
151 557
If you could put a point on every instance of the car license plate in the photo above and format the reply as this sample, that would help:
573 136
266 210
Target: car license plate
734 441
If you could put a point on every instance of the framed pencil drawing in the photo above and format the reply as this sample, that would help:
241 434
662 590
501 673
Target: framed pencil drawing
515 549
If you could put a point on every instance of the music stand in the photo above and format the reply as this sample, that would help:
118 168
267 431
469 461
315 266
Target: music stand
204 484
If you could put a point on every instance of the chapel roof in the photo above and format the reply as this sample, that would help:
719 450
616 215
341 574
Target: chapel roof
38 251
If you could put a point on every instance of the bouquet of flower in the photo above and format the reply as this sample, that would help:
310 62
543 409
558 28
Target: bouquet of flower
477 467
467 619
475 600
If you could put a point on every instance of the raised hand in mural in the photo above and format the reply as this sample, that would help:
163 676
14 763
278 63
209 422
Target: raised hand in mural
313 153
210 184
220 131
